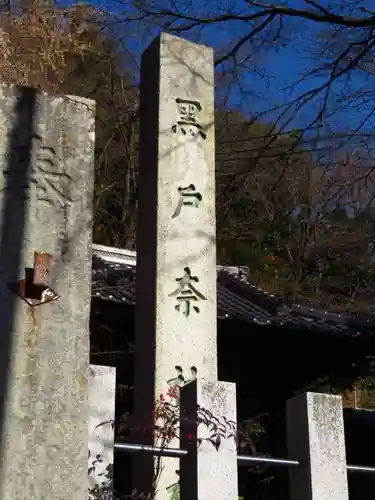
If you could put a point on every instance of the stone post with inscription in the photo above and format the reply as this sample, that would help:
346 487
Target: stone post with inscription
46 182
176 252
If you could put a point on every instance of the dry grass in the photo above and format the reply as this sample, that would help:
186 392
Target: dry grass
39 47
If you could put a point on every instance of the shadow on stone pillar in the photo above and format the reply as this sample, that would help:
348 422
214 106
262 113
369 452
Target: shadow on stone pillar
15 178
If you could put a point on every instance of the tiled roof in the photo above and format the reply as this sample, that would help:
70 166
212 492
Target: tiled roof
114 278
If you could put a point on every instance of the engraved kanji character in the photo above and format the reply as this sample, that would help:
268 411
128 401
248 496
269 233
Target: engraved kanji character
186 293
188 123
188 197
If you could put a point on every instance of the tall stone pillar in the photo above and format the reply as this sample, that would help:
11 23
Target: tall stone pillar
46 183
176 240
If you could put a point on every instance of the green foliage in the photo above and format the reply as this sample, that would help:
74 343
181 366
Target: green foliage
174 491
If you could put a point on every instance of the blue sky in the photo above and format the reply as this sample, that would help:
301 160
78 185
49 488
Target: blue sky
282 65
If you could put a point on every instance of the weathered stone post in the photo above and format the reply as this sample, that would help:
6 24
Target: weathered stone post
176 242
102 399
315 433
46 182
208 432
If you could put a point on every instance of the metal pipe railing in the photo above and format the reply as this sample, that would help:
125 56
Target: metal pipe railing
360 468
278 462
155 450
243 460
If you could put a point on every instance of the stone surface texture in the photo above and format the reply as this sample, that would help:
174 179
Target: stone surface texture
210 472
315 434
46 184
102 393
176 226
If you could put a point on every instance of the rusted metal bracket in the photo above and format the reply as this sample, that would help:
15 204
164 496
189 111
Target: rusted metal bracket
35 289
